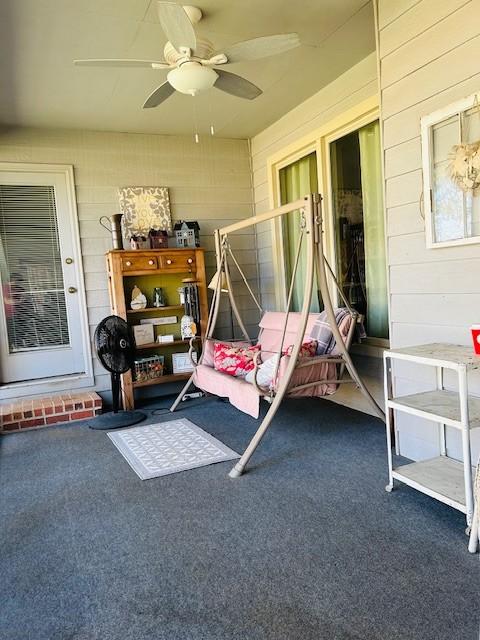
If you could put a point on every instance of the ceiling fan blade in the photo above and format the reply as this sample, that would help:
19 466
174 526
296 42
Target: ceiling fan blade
160 94
236 85
176 25
262 47
106 62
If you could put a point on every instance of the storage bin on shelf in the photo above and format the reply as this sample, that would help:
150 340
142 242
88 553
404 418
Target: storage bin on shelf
149 368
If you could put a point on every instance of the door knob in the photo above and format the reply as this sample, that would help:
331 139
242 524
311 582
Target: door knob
72 290
69 260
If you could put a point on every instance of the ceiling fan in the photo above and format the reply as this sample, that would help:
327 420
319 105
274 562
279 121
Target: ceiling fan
191 60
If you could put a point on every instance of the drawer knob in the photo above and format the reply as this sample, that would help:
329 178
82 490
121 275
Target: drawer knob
190 260
150 262
128 263
169 261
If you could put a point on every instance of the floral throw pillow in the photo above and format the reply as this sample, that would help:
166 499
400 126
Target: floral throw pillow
307 350
233 359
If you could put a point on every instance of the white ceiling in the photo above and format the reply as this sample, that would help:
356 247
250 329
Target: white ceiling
41 87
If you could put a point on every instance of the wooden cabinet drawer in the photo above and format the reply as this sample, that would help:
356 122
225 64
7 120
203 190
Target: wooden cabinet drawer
139 263
178 261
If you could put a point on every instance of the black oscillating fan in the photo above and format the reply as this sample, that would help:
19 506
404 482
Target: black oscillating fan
115 349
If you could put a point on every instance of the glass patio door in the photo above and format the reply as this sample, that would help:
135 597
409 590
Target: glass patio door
296 180
40 319
359 228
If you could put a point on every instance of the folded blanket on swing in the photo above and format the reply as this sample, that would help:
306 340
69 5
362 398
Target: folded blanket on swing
322 333
245 396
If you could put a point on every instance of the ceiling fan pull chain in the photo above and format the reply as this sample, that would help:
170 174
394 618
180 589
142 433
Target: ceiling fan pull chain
195 120
212 128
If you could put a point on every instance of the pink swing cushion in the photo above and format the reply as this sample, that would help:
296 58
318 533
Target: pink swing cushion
234 360
245 396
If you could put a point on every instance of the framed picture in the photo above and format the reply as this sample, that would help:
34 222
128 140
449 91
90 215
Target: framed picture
451 174
145 209
143 333
181 362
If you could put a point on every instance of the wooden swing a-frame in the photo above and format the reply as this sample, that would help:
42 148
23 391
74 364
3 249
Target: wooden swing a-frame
316 263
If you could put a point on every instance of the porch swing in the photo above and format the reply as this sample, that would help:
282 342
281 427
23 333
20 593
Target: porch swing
316 375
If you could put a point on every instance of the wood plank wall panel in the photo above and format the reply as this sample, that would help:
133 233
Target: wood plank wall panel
357 84
209 182
428 58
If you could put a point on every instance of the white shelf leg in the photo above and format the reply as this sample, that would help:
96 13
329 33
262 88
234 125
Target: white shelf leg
443 442
473 542
467 458
391 394
388 413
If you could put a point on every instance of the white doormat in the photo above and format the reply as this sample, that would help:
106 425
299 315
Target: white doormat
154 450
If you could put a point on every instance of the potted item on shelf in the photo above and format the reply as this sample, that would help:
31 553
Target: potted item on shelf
187 234
158 239
149 368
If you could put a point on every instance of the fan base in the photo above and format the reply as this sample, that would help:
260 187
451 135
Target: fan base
112 420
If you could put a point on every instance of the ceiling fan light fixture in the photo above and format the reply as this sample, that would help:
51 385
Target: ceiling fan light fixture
192 78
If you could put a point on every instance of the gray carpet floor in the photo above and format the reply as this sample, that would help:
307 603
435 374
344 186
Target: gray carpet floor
308 545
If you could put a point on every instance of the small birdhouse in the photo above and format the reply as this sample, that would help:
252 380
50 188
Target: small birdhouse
187 234
158 239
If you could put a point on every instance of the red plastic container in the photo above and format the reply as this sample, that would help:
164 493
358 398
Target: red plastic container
475 329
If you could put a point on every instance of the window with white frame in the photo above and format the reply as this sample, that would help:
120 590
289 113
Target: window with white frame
451 174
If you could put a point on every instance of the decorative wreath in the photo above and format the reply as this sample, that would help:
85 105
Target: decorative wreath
464 166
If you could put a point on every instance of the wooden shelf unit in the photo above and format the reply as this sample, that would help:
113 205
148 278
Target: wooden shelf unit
174 307
148 269
442 478
160 345
162 380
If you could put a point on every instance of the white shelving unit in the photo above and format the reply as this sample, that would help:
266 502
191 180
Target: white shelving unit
442 477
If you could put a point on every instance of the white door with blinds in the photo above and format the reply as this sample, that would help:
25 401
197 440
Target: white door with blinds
41 315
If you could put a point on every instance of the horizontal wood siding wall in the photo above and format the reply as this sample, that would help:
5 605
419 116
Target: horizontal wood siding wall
428 55
351 88
209 182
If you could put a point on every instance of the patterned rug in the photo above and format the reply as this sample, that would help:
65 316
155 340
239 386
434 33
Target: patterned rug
159 449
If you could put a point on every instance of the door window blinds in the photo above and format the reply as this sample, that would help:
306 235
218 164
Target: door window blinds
31 268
